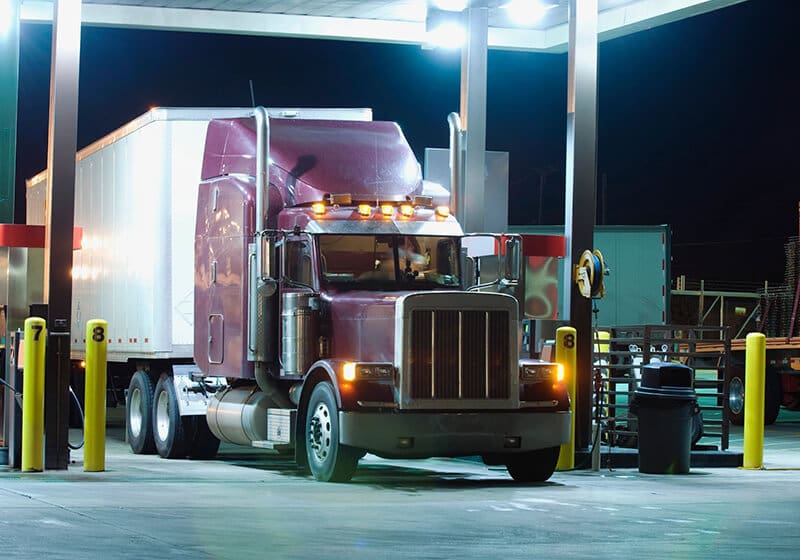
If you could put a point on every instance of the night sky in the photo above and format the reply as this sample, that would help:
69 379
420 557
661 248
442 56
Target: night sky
697 124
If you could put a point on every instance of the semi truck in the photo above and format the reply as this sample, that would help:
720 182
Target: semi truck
285 279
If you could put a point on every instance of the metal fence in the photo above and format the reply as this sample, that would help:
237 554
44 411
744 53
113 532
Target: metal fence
617 369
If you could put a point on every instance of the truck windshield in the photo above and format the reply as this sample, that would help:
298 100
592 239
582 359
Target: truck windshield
389 262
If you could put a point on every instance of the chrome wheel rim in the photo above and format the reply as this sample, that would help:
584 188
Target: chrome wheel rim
736 397
162 416
135 413
319 433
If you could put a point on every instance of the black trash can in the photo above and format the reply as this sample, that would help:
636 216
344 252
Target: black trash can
666 405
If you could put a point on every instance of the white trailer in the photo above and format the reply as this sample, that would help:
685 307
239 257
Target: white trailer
135 198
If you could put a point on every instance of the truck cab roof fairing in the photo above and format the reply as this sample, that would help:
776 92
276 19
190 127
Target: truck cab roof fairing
369 160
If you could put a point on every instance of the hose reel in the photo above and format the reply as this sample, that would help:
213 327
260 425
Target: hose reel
589 273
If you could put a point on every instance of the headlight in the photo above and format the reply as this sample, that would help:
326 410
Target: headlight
537 373
367 371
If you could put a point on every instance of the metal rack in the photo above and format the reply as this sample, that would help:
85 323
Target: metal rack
617 362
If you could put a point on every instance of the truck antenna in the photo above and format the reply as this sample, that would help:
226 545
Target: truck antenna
252 95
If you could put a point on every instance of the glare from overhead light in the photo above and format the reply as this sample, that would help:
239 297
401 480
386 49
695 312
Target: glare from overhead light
527 12
447 35
443 28
5 16
450 5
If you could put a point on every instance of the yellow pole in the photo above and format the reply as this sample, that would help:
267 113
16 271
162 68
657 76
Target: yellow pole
754 375
33 395
566 355
94 454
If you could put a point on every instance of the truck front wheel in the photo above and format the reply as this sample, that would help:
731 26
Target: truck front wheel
533 466
329 460
168 428
139 413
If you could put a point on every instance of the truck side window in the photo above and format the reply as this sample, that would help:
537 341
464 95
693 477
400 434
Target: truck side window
298 261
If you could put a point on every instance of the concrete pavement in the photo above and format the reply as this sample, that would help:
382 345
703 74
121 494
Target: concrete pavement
246 504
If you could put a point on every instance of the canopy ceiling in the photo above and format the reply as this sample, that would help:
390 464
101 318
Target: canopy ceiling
393 21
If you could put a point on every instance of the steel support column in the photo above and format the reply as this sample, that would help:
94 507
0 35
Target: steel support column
59 220
9 80
581 181
472 200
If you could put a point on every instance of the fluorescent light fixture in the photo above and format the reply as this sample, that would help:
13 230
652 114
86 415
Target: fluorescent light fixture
527 12
444 28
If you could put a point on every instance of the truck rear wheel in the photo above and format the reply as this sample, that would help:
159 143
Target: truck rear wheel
329 460
169 432
139 414
773 395
533 466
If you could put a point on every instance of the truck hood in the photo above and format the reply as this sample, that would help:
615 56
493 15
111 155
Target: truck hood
363 325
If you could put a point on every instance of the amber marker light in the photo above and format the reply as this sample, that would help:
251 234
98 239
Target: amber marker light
443 211
349 371
560 374
387 209
364 209
318 208
406 210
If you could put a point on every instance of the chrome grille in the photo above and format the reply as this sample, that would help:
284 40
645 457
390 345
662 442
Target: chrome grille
459 354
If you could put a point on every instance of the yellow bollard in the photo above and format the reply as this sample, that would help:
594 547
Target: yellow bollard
94 454
754 375
33 395
566 355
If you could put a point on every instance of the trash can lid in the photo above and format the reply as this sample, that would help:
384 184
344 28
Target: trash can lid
666 374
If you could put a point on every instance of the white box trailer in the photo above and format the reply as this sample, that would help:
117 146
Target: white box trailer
136 198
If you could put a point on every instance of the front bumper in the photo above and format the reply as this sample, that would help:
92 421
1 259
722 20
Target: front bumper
453 434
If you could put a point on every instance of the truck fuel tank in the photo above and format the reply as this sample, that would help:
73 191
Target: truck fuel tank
239 415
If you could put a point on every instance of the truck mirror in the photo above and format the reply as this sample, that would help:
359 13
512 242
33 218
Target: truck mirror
512 261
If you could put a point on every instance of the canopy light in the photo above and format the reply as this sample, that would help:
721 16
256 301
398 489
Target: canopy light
527 12
444 28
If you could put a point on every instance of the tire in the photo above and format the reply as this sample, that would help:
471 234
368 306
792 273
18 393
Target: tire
169 430
139 414
533 466
202 443
328 460
773 395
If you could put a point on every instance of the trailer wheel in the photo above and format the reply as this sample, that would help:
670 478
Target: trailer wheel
773 395
169 431
202 443
139 414
329 460
533 466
